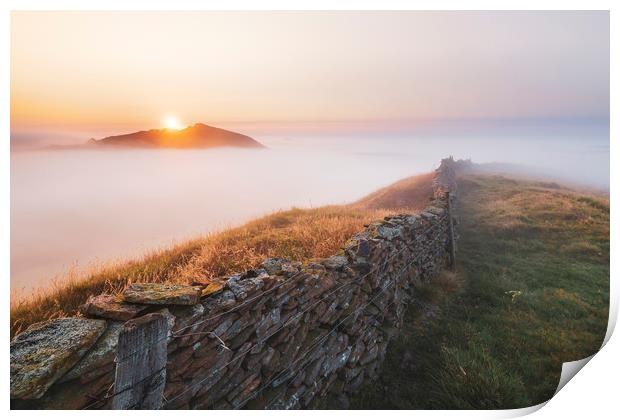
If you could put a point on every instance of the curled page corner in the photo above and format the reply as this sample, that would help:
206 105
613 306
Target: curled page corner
521 412
613 316
570 369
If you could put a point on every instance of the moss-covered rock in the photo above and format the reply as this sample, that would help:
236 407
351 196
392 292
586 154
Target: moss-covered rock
47 350
162 294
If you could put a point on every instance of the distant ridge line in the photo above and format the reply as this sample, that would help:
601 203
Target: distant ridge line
197 136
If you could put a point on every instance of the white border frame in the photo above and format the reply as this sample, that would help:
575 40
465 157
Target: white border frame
593 393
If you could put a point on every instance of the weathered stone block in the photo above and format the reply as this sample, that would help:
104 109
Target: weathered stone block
162 294
245 394
242 337
335 262
279 266
270 319
101 354
211 286
47 350
111 307
185 317
243 288
219 302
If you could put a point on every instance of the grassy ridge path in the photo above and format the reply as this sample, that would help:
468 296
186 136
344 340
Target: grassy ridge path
531 292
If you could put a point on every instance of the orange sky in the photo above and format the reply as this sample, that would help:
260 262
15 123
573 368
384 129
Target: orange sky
134 68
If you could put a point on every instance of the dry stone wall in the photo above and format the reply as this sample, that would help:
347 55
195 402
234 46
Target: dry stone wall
281 336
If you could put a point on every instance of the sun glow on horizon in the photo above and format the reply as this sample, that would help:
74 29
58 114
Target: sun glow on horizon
565 55
172 123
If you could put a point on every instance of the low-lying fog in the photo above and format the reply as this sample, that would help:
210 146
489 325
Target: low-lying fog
73 208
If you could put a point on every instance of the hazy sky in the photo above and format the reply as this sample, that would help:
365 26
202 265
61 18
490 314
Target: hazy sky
133 68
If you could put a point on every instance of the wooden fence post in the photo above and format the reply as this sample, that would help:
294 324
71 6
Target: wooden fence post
451 234
141 363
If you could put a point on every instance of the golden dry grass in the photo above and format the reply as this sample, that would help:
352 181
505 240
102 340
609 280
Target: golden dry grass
406 193
520 204
298 234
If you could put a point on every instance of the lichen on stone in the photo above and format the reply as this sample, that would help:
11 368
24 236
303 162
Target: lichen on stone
47 350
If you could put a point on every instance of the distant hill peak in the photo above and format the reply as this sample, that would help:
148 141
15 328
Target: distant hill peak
197 136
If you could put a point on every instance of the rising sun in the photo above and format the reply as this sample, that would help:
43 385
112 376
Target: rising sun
172 123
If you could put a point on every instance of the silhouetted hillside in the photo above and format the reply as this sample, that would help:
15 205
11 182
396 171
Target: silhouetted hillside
197 136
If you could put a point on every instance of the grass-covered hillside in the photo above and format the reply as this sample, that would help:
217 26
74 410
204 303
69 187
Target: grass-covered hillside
298 234
531 292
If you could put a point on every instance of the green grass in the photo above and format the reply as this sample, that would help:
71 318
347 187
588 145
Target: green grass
533 265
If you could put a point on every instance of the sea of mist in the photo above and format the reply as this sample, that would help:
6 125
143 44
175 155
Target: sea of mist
74 208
